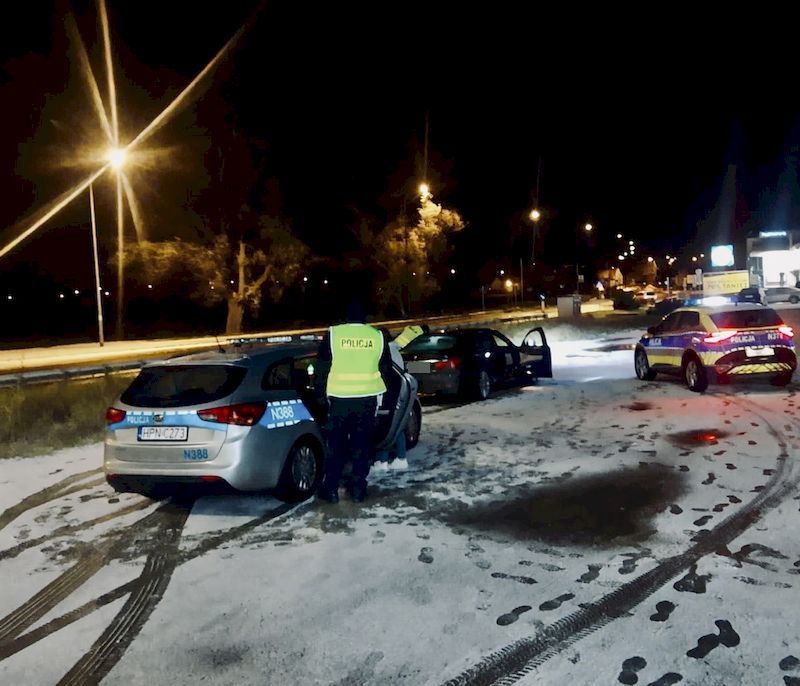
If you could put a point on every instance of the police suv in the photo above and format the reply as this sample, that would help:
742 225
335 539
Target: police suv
250 416
720 343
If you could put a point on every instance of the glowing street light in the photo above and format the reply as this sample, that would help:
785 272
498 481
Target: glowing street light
535 215
509 284
588 228
620 257
649 259
116 157
694 259
619 235
452 271
424 192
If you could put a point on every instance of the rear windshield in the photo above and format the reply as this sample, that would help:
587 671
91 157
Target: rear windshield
181 386
747 319
431 343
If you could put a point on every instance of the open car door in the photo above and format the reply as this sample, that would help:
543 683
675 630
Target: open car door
394 410
535 354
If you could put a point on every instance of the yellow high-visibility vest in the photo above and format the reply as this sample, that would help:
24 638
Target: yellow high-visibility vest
355 370
407 335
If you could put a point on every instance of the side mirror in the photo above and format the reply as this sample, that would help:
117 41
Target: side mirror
652 330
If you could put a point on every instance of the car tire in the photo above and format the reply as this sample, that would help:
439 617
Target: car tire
482 386
118 484
782 379
642 366
414 426
302 472
794 300
694 374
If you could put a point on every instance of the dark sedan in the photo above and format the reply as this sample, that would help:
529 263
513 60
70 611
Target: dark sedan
470 362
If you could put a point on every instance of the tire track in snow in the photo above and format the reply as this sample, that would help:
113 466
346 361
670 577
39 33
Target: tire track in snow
57 490
509 664
147 593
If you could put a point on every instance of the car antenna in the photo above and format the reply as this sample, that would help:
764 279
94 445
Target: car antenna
219 345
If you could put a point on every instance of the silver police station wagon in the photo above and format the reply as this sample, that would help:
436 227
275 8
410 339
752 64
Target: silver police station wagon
250 416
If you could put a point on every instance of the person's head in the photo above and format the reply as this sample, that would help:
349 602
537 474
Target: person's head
355 313
425 328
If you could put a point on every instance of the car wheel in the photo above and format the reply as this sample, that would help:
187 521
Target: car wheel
642 366
301 472
694 373
483 386
794 300
117 484
782 379
414 426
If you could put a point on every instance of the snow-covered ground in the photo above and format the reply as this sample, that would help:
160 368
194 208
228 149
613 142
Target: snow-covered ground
592 529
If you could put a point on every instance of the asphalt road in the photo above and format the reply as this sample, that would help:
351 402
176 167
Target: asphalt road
590 529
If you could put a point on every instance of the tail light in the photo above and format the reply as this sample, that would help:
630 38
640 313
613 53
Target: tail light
452 363
113 415
720 336
787 331
243 414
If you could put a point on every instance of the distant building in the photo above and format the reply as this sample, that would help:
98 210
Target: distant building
774 256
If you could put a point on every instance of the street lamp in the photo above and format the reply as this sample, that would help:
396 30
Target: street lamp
116 157
424 192
535 215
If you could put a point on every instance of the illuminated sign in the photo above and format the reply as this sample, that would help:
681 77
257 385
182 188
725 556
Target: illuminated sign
771 234
725 283
721 255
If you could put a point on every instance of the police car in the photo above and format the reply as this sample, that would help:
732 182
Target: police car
720 343
249 417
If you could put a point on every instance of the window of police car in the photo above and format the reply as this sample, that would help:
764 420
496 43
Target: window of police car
289 374
747 319
176 386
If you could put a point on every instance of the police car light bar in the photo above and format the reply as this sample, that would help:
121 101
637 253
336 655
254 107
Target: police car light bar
274 340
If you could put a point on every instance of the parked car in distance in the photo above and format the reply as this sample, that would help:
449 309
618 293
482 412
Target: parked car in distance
469 362
663 308
783 294
754 294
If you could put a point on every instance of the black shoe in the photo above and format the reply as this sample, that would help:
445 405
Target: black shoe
328 496
358 495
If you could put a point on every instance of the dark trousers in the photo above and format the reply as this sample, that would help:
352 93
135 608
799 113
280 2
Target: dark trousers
351 435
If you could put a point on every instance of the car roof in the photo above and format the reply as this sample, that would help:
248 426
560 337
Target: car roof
714 309
243 356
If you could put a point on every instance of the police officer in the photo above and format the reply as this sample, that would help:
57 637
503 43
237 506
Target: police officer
359 362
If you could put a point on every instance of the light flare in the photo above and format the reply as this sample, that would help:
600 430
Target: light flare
88 74
112 87
134 206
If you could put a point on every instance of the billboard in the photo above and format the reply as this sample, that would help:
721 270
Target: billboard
721 255
725 283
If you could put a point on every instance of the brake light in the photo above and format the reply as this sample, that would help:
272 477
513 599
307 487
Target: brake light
786 331
243 414
113 415
452 363
720 336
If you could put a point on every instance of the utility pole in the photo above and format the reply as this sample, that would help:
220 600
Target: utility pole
521 283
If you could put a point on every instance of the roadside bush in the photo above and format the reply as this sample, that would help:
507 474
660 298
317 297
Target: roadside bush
624 300
42 418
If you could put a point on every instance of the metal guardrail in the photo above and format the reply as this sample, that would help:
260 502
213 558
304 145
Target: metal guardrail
78 372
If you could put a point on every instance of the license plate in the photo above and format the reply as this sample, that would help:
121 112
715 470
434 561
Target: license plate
419 367
163 433
762 351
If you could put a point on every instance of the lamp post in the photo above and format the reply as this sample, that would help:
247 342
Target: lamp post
116 158
535 216
97 291
587 229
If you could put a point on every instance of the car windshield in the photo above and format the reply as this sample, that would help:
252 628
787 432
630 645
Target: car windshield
178 386
746 319
431 343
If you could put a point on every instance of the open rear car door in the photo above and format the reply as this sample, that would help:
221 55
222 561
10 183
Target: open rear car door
535 354
394 409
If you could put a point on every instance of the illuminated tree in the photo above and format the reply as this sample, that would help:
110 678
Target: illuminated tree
411 257
238 274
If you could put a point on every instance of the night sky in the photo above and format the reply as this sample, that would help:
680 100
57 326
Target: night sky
637 130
